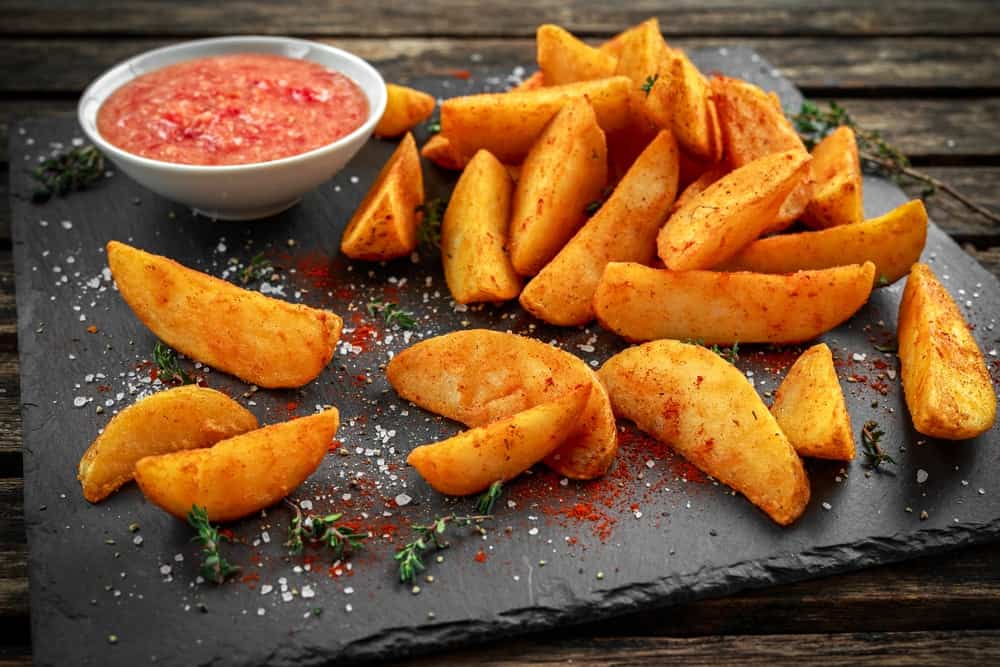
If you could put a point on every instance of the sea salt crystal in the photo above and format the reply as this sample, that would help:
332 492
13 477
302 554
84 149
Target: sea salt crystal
79 401
858 357
165 570
827 506
286 596
533 531
349 590
66 224
922 476
403 500
308 592
306 504
266 589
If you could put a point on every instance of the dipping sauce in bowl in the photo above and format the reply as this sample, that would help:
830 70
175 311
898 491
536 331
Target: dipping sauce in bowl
235 109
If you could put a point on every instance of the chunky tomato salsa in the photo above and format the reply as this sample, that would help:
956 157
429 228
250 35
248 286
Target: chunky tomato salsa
236 109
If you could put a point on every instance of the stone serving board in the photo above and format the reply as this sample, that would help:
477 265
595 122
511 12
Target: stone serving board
653 533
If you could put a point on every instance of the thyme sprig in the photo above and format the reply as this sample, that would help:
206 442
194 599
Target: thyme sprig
430 536
594 206
214 567
322 529
168 368
814 123
730 354
432 211
72 170
647 86
391 313
256 268
871 437
433 127
485 502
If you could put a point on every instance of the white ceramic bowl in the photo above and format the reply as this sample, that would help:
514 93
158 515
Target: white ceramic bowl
246 191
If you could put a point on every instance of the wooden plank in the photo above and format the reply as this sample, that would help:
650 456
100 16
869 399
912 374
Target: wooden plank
499 17
982 185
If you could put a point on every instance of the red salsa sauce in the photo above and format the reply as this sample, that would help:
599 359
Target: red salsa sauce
236 109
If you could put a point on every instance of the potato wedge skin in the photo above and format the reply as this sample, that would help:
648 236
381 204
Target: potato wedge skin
703 407
261 340
810 409
469 462
533 82
644 58
893 242
731 213
564 171
697 186
241 475
837 197
188 417
405 108
945 380
693 116
507 124
478 376
640 303
439 150
623 230
562 58
384 226
474 234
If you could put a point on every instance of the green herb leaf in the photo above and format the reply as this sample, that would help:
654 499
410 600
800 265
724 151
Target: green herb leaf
76 169
888 347
168 368
433 127
647 87
324 530
410 556
256 268
871 437
392 314
432 215
485 503
214 567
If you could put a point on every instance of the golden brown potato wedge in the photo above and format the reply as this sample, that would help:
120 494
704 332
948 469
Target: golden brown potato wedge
507 124
644 58
731 213
945 379
241 475
699 185
469 462
893 242
641 303
810 409
565 170
477 377
623 230
533 82
405 108
188 417
694 118
474 233
384 226
703 407
439 150
562 58
258 339
837 182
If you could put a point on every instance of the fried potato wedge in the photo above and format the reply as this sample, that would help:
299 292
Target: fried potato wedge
837 197
188 417
241 475
478 376
258 339
623 230
731 213
705 409
643 58
699 185
405 108
384 226
508 124
945 379
893 242
469 462
439 150
693 116
533 82
562 58
640 303
474 233
810 409
564 171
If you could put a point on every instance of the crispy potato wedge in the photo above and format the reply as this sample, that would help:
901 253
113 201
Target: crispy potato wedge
640 303
945 378
703 407
753 126
384 226
241 475
642 59
562 58
693 116
893 242
508 124
478 376
258 339
474 233
623 230
731 213
837 197
469 462
405 108
533 82
699 185
188 417
439 150
564 171
810 409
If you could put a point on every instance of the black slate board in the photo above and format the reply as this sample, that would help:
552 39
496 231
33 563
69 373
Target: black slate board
693 538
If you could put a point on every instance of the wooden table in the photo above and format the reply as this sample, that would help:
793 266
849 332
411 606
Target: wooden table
923 72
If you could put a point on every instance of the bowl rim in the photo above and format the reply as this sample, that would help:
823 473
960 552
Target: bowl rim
377 100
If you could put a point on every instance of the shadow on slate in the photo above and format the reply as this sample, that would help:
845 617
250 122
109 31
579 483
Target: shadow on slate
693 540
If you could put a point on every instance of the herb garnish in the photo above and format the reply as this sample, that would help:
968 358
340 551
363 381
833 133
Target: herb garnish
888 347
168 368
410 556
650 82
214 567
485 503
813 124
730 354
255 269
871 437
73 170
432 211
322 529
594 206
392 313
433 127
